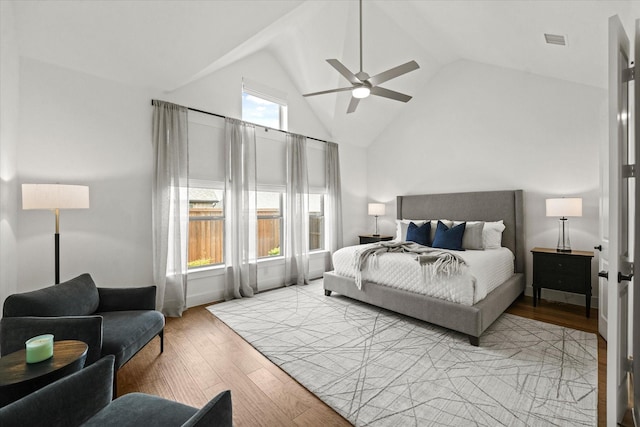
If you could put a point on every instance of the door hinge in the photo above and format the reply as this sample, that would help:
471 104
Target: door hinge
628 171
628 74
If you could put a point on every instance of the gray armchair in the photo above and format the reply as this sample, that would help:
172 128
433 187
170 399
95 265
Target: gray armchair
84 399
117 321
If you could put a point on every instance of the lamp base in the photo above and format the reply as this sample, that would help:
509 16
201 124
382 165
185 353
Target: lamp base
564 244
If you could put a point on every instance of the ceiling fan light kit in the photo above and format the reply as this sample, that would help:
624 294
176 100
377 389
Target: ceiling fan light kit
361 92
362 85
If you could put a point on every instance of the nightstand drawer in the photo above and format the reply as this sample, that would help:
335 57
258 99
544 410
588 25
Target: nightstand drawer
559 265
370 238
561 282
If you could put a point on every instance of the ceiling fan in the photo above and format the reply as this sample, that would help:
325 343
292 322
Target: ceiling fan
362 85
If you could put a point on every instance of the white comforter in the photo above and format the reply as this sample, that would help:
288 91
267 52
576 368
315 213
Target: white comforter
487 269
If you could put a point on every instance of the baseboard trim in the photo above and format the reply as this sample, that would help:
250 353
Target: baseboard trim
565 297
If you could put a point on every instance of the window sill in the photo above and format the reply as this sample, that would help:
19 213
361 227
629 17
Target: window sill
219 270
214 270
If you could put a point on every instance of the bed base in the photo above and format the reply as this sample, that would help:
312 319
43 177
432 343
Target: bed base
471 320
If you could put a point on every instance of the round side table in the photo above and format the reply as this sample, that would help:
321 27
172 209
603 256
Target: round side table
19 378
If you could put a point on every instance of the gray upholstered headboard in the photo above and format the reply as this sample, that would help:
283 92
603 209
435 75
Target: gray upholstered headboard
478 206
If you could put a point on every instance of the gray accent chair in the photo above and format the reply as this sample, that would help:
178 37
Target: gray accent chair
85 399
117 321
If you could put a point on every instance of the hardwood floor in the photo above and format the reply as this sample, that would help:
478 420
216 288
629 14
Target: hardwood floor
202 357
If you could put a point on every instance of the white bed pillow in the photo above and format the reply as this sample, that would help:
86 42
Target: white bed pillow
473 234
492 234
403 224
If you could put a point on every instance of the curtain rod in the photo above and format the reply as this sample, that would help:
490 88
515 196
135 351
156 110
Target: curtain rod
266 127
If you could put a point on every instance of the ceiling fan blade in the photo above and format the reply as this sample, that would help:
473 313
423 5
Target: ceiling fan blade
391 94
344 71
393 73
342 89
353 105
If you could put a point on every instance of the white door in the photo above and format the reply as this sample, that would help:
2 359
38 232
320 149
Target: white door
603 259
635 198
619 267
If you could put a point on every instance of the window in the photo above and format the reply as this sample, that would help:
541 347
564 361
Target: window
269 207
316 222
206 227
263 106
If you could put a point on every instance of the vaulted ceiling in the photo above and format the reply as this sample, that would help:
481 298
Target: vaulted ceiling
168 44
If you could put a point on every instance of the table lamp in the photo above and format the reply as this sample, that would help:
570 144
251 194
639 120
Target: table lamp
563 208
55 197
376 209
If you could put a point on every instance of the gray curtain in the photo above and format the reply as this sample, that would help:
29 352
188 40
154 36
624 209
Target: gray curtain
297 212
240 210
170 206
334 199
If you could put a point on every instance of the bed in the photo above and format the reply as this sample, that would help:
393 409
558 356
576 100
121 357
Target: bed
471 320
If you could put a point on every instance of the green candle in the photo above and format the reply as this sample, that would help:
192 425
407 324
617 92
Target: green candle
39 348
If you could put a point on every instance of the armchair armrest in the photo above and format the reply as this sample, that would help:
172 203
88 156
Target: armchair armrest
70 401
120 299
14 331
215 413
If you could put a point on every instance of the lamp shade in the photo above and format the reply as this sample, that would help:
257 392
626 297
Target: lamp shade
564 207
376 209
55 196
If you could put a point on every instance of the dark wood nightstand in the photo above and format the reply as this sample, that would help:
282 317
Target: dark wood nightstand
562 271
370 238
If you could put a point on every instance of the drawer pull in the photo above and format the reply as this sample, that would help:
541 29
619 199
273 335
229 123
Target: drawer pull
604 274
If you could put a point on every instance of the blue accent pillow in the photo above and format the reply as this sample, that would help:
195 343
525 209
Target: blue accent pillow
420 234
449 238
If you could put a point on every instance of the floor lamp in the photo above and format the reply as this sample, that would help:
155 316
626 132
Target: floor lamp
55 197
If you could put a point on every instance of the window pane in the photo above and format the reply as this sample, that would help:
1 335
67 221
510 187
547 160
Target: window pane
206 227
316 221
260 111
269 223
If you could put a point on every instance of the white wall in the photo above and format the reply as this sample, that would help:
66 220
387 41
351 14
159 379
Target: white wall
77 128
9 101
477 127
80 129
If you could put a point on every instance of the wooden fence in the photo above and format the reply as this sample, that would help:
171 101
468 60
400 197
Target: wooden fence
206 235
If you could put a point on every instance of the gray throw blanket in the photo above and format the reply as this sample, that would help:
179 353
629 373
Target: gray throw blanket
434 262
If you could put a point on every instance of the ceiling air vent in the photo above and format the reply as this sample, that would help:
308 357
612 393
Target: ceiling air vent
560 40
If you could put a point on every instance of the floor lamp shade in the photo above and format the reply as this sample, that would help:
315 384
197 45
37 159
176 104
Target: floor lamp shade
563 208
55 197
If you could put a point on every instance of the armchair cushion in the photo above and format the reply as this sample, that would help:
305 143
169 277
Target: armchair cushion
76 297
126 332
137 409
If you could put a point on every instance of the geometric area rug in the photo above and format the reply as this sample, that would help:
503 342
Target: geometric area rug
378 368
